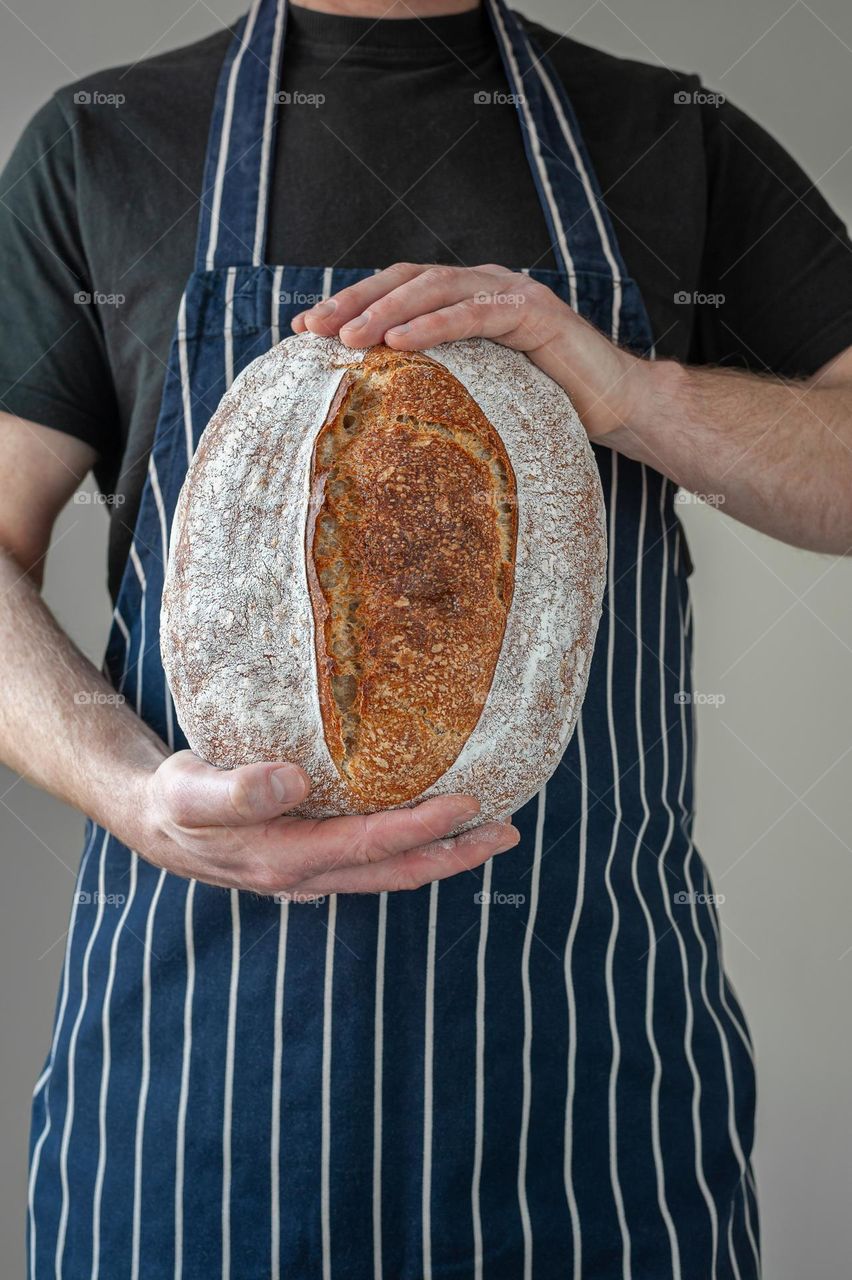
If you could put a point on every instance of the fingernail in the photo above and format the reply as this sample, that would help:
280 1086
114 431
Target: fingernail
287 784
323 309
465 806
400 328
358 322
497 833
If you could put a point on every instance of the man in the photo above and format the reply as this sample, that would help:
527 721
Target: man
536 1067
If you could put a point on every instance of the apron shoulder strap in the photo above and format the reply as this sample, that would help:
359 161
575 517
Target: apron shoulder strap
579 224
241 143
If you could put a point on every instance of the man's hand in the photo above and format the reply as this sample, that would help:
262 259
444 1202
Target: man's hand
224 827
410 307
775 454
230 828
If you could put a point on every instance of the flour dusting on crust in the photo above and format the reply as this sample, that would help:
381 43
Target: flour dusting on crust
237 633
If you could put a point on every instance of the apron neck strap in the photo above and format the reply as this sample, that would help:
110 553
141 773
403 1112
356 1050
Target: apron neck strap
241 148
580 228
241 143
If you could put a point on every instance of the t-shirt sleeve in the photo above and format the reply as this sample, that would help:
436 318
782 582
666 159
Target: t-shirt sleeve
776 281
53 364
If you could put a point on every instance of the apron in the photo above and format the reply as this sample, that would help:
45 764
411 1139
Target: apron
530 1071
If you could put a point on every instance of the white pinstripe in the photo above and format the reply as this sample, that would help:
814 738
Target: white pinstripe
650 968
541 167
479 1104
60 1022
327 276
723 999
689 1020
272 87
228 1107
72 1056
225 140
122 626
571 1065
41 1082
606 244
164 542
732 1253
275 321
378 1081
143 582
616 915
185 389
189 904
733 1132
228 328
428 1060
145 1081
740 1030
106 1064
186 1059
277 1056
325 1154
750 1184
526 1103
723 1041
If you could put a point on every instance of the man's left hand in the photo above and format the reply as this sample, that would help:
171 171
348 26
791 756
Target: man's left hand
410 307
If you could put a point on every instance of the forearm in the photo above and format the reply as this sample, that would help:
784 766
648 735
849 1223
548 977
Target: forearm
62 725
776 455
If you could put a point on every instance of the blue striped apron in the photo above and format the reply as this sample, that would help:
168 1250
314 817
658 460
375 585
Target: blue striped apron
535 1070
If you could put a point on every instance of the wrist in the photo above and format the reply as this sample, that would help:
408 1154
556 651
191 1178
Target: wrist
653 407
127 807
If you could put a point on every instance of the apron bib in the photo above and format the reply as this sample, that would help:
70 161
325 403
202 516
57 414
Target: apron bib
530 1071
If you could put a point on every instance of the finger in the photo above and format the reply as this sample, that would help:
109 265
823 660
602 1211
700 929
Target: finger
195 794
431 291
414 868
299 848
327 316
470 318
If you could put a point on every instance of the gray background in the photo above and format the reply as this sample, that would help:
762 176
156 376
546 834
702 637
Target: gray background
774 637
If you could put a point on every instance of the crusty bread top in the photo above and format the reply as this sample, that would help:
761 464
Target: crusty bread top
410 558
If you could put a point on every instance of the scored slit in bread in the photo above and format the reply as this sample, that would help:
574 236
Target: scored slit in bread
410 549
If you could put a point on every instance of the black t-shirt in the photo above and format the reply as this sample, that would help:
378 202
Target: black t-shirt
414 155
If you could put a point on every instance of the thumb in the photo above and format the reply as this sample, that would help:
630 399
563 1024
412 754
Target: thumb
197 794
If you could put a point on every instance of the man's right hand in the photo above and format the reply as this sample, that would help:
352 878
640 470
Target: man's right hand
231 828
224 827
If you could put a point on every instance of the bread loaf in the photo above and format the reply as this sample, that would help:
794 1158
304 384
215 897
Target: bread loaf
387 567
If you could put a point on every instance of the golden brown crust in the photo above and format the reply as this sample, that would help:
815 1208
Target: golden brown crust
410 551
